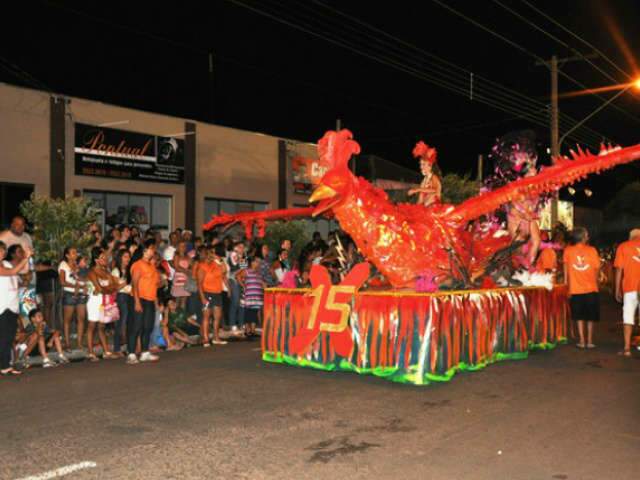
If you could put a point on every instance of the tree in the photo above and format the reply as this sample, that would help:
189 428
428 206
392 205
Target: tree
58 224
456 189
293 230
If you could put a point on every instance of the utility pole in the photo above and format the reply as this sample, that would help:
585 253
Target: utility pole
480 167
552 65
555 112
555 132
338 124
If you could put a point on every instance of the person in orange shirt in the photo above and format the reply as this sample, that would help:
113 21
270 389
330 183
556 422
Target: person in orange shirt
547 261
627 284
581 271
145 280
212 278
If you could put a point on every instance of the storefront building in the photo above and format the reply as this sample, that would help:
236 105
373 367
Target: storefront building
139 167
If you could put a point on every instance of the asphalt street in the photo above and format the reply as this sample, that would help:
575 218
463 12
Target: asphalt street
223 413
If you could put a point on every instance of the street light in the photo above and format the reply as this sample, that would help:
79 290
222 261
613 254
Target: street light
634 84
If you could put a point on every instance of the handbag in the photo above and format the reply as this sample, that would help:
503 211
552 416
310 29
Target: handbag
109 311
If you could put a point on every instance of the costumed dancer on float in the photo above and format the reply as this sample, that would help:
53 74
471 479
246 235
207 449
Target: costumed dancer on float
515 157
430 190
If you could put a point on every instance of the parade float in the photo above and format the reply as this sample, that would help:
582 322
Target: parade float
461 293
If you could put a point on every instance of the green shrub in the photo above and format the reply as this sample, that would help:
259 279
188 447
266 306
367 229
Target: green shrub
58 224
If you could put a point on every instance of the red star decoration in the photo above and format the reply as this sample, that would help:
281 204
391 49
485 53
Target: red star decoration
331 310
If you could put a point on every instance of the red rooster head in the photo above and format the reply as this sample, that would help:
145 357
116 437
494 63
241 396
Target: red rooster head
335 150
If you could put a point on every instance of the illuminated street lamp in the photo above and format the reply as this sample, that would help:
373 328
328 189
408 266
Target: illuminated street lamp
635 84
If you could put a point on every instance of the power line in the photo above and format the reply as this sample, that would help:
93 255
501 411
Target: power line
512 43
554 38
453 70
22 74
186 46
127 28
395 64
377 58
514 98
457 88
447 130
574 35
175 43
595 138
466 73
573 50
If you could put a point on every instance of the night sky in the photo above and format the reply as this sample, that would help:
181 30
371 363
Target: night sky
371 64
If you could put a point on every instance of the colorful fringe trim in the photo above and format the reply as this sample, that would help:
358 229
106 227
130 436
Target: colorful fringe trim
421 338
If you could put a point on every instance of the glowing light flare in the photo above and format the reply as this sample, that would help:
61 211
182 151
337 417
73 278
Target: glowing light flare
591 91
609 88
618 38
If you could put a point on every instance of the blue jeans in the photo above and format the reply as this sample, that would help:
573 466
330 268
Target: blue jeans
141 325
236 314
194 306
125 306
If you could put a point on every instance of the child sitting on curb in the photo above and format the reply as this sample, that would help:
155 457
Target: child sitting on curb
47 338
178 326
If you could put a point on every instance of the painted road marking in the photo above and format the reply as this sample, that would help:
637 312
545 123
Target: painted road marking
59 472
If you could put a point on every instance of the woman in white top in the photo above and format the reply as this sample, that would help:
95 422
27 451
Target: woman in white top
103 285
74 298
279 267
9 307
123 299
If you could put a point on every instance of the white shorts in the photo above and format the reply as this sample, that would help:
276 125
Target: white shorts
629 308
93 308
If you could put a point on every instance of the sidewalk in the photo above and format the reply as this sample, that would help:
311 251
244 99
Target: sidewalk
79 355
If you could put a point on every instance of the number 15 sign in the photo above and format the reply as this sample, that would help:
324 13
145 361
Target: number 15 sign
331 309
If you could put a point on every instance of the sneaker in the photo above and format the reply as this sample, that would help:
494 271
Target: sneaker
132 359
234 330
219 342
62 359
149 357
48 363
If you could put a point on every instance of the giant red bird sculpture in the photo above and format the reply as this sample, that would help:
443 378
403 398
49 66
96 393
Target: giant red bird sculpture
406 241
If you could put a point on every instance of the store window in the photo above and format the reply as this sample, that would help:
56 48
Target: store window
216 206
145 211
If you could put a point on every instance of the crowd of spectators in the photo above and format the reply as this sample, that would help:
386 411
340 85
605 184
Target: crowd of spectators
135 293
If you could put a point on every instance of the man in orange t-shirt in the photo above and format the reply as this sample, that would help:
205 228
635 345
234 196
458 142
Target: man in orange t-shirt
144 281
627 265
581 270
212 280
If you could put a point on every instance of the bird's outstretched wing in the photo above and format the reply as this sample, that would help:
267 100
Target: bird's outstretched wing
564 172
